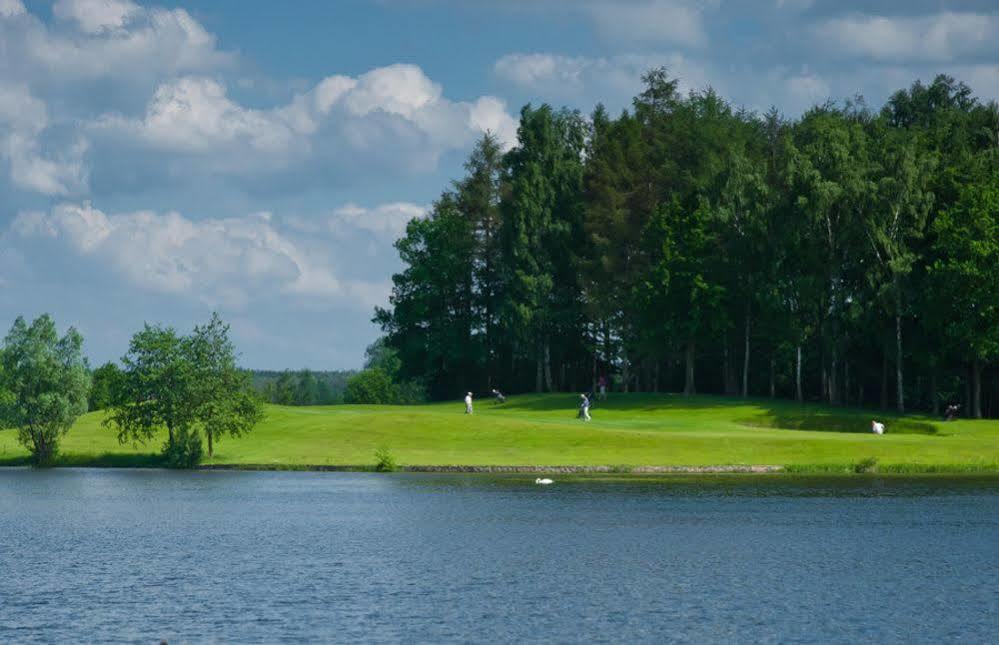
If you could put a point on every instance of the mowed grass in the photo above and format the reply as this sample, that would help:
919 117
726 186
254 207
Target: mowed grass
627 430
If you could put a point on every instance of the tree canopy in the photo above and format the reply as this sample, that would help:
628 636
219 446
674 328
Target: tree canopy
43 384
688 245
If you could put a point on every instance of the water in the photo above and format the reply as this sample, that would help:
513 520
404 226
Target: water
259 557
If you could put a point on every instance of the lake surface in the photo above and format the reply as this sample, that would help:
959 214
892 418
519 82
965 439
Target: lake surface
145 555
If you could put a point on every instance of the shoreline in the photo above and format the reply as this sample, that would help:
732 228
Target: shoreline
515 469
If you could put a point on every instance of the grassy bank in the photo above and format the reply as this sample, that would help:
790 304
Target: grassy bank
626 432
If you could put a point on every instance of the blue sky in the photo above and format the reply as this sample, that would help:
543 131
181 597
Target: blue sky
159 161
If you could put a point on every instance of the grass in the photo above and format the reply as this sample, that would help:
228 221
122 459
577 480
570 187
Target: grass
626 431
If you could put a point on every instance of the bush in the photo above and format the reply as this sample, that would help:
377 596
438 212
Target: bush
372 385
384 461
186 450
869 465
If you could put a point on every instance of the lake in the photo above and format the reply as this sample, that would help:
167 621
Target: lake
264 556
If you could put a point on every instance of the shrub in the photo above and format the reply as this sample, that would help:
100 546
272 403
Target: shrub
186 450
372 385
868 465
384 461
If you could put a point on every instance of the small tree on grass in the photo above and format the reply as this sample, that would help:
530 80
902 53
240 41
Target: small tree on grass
225 403
43 385
186 385
372 385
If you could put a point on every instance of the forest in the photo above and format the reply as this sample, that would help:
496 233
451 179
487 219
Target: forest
848 255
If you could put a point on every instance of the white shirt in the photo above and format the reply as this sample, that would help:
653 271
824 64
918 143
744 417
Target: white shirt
878 428
468 400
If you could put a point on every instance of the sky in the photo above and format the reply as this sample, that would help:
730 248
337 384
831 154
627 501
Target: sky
162 161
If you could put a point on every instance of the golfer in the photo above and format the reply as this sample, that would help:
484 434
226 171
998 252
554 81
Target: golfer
877 428
468 403
584 408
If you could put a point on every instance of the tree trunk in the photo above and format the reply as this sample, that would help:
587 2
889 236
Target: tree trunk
745 359
934 398
976 389
655 377
833 367
884 381
798 394
688 384
967 391
211 445
539 376
773 377
900 391
726 373
846 382
548 367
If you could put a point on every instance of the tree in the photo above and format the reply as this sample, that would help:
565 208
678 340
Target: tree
223 397
373 386
186 385
105 386
542 232
964 277
46 381
903 203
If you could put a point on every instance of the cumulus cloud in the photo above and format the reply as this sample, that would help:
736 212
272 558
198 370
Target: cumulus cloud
11 8
386 219
115 40
194 116
215 260
944 36
23 120
230 261
95 16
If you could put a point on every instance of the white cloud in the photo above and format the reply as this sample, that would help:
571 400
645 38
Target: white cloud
396 89
195 117
111 39
676 22
95 16
943 36
386 219
11 8
23 120
231 262
223 261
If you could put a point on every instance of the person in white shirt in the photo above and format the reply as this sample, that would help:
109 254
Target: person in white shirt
584 408
877 428
468 403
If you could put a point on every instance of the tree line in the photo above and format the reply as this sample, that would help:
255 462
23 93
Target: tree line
848 256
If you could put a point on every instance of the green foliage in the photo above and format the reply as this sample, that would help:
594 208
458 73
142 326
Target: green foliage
43 385
686 244
184 451
186 385
372 386
105 386
866 465
384 461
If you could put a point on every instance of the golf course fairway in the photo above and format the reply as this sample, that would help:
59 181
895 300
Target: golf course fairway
627 431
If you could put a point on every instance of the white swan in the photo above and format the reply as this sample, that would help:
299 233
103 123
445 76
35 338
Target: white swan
543 482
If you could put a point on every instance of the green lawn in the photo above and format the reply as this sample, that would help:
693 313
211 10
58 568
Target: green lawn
628 430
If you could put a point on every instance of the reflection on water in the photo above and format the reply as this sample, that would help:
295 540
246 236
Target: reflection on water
142 555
